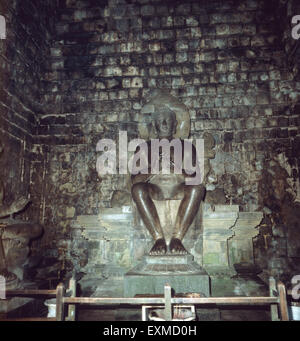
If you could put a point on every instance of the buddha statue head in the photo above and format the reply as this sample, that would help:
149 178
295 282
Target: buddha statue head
164 122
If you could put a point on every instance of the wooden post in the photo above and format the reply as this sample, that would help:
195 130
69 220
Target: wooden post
282 302
273 293
72 307
3 266
168 305
60 291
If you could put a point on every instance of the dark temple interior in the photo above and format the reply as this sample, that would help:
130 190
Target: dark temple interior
76 72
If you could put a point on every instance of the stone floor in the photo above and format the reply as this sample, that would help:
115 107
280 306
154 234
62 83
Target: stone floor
234 314
247 314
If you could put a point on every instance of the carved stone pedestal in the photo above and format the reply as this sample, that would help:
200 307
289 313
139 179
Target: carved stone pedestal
241 244
217 230
228 250
181 272
14 240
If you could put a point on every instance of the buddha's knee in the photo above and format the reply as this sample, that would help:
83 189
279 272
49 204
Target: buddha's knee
195 190
139 189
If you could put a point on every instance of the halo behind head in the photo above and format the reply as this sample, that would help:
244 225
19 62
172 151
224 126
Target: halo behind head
162 98
161 110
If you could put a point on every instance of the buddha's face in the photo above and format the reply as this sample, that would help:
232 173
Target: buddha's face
165 123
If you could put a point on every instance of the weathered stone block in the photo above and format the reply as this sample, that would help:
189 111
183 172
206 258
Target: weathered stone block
183 9
147 10
181 57
191 21
150 276
167 21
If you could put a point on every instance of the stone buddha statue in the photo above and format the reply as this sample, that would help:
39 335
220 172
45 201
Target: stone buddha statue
15 235
161 186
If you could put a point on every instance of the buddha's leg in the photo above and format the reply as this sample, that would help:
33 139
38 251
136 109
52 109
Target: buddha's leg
141 195
186 213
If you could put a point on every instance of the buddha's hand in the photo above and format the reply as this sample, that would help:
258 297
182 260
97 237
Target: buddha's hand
139 178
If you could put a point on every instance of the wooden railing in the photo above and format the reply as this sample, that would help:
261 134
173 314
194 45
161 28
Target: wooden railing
67 297
34 294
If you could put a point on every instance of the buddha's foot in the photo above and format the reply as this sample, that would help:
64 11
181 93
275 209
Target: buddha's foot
159 248
176 247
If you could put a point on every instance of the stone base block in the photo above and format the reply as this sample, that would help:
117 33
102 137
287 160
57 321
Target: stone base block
151 275
143 284
238 286
14 303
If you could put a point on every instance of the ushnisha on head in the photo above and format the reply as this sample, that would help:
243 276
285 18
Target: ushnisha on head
165 122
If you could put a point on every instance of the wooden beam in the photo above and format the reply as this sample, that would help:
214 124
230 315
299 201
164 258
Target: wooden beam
168 303
283 302
60 291
174 300
31 292
25 319
273 293
72 307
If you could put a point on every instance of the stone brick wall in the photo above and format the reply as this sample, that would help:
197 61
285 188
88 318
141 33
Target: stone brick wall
23 59
286 11
225 60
